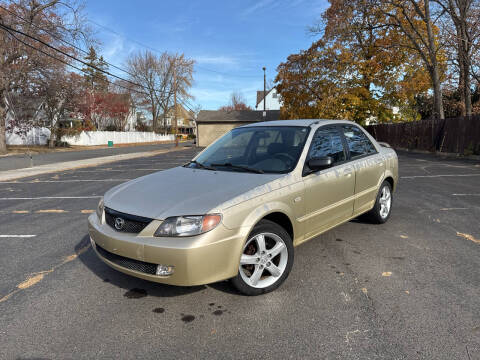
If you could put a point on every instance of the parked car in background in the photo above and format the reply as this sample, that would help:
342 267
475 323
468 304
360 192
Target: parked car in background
247 200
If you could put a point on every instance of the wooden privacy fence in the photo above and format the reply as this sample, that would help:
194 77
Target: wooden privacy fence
454 135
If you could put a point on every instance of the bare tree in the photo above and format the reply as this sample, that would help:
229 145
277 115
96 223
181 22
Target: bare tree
475 66
464 15
156 78
415 19
237 102
181 83
21 55
60 93
145 68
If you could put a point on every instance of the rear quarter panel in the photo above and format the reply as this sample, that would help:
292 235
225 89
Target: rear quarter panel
391 168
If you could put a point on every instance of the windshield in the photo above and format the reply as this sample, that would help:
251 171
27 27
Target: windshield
260 149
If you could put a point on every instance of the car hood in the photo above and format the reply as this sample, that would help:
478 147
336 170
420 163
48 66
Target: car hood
182 191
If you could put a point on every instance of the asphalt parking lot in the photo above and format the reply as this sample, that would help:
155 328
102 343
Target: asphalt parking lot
408 289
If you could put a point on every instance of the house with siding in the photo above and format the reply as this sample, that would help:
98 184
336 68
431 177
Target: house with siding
272 100
211 124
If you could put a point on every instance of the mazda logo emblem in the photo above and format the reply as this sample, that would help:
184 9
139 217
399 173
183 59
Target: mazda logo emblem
119 223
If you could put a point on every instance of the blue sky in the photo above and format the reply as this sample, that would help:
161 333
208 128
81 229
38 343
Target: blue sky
230 40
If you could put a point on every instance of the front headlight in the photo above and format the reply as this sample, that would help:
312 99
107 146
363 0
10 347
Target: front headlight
188 225
100 209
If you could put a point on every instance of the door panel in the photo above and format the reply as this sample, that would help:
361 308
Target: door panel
369 167
369 171
329 198
329 193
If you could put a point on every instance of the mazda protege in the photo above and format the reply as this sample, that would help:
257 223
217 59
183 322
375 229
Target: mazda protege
237 210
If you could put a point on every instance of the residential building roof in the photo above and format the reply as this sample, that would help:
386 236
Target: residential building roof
181 112
260 95
248 116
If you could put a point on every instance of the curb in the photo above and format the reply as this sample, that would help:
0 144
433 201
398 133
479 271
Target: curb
71 165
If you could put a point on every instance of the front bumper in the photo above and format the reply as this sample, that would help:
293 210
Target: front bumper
197 260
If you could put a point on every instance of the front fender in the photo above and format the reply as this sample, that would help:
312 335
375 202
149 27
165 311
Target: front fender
249 218
261 211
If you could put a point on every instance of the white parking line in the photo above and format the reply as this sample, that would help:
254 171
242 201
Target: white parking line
94 171
63 181
465 194
17 236
51 197
434 176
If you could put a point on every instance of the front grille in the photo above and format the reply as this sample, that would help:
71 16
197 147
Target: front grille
131 223
132 264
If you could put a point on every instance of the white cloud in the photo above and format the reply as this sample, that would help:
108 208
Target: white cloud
212 99
114 47
273 4
217 60
257 6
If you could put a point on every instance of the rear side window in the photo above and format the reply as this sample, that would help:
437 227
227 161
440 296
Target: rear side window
358 143
327 142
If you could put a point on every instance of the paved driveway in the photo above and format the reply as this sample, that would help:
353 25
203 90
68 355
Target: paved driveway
408 289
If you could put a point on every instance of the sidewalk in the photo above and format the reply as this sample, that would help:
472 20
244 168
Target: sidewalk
52 166
20 161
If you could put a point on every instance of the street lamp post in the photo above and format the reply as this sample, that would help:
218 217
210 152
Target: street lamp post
264 91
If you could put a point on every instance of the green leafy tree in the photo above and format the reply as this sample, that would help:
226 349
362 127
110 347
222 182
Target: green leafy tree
93 74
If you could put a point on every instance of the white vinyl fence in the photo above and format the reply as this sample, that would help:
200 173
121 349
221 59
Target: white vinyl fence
35 136
87 138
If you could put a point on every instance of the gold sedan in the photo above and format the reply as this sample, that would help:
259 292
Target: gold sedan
237 210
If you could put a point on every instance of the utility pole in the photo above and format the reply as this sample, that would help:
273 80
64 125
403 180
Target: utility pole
264 92
175 100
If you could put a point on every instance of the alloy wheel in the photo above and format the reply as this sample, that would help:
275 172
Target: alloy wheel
264 260
385 202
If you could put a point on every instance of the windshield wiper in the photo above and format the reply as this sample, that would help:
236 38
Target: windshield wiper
200 165
241 167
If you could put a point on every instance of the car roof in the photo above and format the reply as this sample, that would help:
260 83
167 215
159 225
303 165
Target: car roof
299 122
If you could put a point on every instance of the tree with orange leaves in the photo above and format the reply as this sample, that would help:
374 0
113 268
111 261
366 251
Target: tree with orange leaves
354 72
416 21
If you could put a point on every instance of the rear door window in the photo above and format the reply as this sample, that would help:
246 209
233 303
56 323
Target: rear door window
358 143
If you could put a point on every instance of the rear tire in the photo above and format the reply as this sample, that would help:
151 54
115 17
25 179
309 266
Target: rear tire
266 260
383 205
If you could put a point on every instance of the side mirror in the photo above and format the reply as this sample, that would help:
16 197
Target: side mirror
319 163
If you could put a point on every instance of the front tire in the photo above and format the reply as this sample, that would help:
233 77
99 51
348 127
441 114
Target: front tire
266 259
383 205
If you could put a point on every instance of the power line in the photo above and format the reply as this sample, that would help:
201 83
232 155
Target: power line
74 58
108 63
58 59
80 49
67 54
60 39
9 30
158 51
